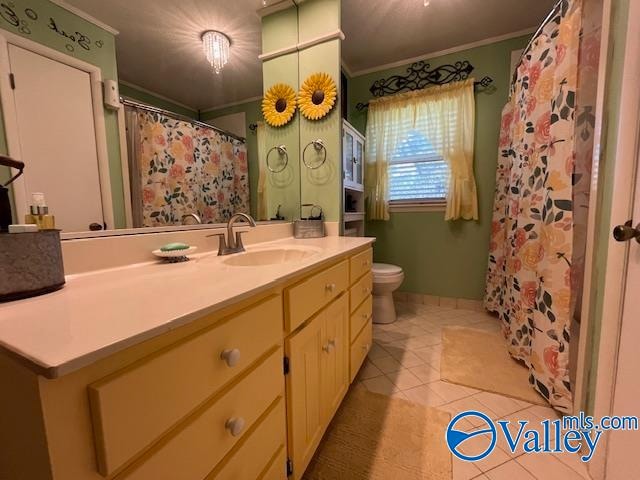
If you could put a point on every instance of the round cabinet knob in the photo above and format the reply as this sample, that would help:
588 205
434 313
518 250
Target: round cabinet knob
331 344
330 287
235 426
365 347
365 290
365 316
231 357
365 263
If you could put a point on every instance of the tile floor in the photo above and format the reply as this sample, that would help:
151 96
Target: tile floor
404 362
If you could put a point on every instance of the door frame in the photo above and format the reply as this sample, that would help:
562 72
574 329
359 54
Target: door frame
9 114
611 286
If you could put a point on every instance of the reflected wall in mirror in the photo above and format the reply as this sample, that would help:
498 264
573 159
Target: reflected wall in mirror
181 144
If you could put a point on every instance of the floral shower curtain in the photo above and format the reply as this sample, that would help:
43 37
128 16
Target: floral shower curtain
529 278
178 168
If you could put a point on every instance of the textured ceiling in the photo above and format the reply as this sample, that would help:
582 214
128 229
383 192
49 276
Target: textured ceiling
159 45
385 31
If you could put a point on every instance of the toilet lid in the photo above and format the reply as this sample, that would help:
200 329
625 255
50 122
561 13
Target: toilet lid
384 269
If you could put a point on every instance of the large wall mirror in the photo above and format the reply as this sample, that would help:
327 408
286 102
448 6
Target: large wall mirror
178 138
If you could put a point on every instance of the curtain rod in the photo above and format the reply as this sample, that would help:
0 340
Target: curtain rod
144 106
544 23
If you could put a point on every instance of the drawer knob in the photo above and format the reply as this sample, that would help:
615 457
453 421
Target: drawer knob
365 316
365 263
365 347
365 290
330 287
331 344
231 357
235 426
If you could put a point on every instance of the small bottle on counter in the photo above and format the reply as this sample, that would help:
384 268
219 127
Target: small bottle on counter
40 213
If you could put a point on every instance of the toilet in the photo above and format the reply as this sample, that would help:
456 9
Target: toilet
386 279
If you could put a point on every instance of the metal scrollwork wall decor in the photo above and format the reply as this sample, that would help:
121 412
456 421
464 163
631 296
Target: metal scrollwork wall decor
420 75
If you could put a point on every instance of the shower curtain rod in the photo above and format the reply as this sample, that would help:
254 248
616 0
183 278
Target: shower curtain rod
544 23
144 106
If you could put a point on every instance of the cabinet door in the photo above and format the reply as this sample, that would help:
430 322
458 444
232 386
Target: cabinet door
358 161
335 356
306 418
347 155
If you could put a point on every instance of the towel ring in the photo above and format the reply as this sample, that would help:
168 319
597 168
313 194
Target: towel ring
282 150
318 145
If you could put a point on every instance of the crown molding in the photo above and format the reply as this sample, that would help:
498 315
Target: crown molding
230 104
439 53
158 95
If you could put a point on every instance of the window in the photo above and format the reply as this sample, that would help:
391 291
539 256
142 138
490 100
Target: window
417 173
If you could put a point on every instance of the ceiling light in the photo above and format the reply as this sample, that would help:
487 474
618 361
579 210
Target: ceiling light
216 49
426 3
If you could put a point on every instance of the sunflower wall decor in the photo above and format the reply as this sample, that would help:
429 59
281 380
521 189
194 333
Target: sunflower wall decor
317 96
279 105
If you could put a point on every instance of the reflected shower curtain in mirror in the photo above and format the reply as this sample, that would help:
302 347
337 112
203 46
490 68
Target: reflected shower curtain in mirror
178 168
529 278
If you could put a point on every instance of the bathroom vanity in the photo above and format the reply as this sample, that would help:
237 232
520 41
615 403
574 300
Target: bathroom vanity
208 369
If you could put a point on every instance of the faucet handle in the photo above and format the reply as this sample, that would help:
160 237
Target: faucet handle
239 245
222 243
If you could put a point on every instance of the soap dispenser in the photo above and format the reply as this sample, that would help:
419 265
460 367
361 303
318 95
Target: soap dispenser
40 213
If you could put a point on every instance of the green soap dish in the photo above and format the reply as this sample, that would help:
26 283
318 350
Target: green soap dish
173 247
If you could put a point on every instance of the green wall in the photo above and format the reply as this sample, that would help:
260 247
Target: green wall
441 258
150 99
280 30
253 114
321 186
34 18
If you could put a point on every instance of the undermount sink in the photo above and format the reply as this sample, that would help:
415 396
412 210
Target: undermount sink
271 256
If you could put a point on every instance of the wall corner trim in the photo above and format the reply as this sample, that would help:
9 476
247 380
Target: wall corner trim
302 45
85 16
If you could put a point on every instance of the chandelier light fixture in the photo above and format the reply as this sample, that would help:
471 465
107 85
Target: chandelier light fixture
216 49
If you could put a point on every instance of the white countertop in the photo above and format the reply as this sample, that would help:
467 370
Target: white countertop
100 313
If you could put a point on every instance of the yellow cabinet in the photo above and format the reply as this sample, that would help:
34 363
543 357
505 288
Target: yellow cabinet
317 381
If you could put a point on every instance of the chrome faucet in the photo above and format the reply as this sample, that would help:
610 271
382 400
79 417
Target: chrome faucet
194 216
233 244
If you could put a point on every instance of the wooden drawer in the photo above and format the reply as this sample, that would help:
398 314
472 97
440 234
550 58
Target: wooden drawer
360 348
310 295
360 291
133 407
360 264
277 470
360 317
201 442
261 454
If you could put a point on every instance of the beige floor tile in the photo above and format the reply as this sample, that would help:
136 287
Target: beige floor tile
409 359
447 302
368 370
404 379
546 466
424 396
380 385
425 373
465 404
430 355
478 444
573 461
387 364
464 470
377 351
450 391
500 404
511 470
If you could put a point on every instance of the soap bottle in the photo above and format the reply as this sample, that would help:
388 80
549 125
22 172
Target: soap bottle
40 213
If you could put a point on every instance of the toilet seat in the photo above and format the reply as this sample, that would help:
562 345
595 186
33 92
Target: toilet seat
386 273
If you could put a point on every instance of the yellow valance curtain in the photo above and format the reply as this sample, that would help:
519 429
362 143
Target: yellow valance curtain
446 116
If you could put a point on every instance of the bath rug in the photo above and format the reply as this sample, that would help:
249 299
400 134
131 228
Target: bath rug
479 359
377 437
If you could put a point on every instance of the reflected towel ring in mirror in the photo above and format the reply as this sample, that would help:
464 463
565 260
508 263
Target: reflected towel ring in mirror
282 150
318 146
